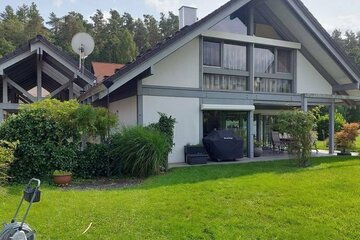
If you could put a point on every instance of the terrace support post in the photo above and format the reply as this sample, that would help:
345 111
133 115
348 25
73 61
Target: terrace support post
5 89
251 135
332 128
71 87
304 103
39 74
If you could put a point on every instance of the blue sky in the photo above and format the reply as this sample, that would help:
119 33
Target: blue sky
331 14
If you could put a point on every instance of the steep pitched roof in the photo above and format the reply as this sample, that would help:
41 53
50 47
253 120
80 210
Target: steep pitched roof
183 33
39 38
104 70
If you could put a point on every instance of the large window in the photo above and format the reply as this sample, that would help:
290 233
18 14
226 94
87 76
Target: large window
212 51
235 57
225 82
232 24
264 60
284 61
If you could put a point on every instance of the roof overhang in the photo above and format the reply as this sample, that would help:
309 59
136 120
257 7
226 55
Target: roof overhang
290 17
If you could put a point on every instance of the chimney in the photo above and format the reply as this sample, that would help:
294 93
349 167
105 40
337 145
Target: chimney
187 16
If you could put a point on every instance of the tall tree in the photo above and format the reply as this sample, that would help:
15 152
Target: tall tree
168 25
141 35
152 27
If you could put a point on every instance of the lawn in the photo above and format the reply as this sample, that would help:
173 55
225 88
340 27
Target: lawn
272 200
323 145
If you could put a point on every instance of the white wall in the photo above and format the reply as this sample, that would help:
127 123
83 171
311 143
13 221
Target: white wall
179 69
126 111
309 80
187 114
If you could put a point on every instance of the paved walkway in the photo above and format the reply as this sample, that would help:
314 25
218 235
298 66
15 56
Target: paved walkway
267 157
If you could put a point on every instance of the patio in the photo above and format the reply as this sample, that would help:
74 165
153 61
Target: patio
268 156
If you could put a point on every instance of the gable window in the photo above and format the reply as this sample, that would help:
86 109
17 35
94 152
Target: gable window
212 54
264 60
231 24
235 57
284 61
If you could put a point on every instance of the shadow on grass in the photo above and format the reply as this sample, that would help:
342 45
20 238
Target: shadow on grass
191 175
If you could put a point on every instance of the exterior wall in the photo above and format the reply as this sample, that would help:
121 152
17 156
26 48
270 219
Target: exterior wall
187 114
125 110
308 79
179 69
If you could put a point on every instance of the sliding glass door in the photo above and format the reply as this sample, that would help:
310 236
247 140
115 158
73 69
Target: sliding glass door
227 120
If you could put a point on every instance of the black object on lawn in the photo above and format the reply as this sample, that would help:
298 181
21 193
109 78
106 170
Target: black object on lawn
224 145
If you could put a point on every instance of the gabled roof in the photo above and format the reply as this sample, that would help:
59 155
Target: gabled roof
341 58
104 70
39 38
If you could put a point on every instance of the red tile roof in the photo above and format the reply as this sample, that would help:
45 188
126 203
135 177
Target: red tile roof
103 70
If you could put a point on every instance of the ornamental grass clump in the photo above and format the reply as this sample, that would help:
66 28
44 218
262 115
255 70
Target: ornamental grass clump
142 151
346 138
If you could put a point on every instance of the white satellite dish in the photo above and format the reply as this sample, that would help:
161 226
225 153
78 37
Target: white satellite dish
83 44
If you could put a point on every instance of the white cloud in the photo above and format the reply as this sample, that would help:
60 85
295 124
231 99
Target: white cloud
58 3
164 5
347 22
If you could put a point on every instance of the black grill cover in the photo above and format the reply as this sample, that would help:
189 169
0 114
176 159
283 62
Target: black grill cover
223 145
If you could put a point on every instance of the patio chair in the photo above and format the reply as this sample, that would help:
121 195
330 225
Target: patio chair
276 142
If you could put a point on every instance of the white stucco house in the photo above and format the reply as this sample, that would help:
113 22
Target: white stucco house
242 64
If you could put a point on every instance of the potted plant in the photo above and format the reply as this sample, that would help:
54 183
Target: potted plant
345 139
258 151
62 178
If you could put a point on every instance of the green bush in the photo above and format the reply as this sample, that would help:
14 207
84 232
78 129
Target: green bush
166 125
299 125
50 133
93 162
6 158
322 124
142 151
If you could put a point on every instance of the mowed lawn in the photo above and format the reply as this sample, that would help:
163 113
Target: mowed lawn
272 200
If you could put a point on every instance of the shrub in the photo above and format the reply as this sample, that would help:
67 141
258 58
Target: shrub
93 162
143 152
346 137
322 124
49 133
6 158
166 125
299 125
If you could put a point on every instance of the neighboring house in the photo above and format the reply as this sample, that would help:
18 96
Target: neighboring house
36 70
103 70
236 68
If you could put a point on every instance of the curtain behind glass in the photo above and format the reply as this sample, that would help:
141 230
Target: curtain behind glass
264 59
235 57
212 54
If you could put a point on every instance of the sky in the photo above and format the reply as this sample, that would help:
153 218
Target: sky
342 15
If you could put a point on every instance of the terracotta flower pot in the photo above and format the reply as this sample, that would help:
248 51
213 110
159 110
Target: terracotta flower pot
62 180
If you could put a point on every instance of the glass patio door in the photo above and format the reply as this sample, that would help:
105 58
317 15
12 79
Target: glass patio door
227 120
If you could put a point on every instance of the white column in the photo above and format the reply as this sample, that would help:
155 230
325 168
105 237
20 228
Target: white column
332 128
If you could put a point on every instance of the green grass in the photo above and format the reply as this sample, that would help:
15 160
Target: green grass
272 200
323 145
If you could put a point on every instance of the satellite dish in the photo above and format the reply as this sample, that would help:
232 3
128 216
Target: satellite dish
83 44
